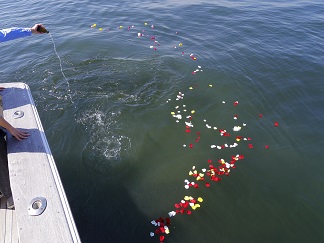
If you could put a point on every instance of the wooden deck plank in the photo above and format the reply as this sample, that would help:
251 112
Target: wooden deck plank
8 224
33 173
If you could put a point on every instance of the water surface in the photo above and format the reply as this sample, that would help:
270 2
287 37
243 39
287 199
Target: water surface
120 152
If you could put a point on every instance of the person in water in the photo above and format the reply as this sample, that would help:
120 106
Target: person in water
5 189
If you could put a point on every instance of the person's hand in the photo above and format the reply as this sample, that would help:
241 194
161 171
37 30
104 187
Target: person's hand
20 135
34 29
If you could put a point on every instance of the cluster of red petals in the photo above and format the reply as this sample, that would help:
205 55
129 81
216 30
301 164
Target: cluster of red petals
195 185
224 133
182 207
161 222
215 172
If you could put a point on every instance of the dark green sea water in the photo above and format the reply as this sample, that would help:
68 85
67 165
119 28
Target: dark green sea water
120 152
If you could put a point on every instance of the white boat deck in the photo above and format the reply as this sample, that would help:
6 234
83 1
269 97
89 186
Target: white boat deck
33 174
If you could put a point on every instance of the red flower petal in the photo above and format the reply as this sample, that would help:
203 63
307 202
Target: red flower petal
209 161
185 205
193 200
267 146
276 124
168 221
260 115
235 103
191 145
162 230
250 146
177 205
196 186
207 184
161 237
188 212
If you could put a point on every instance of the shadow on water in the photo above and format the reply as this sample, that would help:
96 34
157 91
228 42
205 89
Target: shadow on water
104 211
109 208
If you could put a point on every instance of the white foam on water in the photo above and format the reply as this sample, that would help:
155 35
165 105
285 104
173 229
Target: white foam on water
106 142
